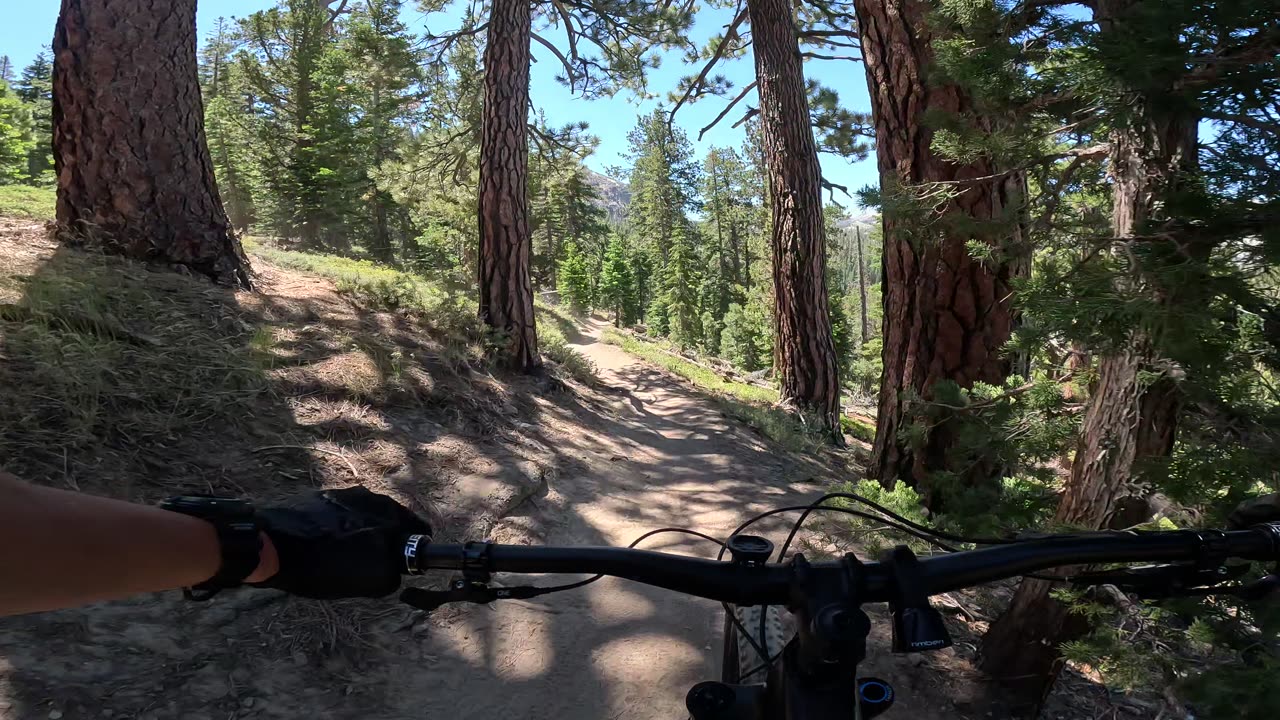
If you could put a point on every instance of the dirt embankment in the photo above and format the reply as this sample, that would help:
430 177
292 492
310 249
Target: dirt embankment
140 384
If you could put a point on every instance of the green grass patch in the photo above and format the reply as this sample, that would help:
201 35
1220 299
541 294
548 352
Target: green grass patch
696 374
858 428
378 286
24 201
556 329
749 404
450 315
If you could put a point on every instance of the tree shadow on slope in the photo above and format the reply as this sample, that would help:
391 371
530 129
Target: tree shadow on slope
134 383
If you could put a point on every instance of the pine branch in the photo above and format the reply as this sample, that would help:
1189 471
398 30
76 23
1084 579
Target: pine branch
1255 123
750 113
726 109
572 75
1025 14
568 28
730 35
1093 151
1055 200
832 187
816 56
333 16
447 41
1260 48
826 33
992 401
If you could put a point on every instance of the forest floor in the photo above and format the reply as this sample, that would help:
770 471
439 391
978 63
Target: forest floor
130 382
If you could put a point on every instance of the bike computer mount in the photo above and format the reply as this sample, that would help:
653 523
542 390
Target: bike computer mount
812 679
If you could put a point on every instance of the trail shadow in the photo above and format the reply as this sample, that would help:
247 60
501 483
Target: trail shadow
612 649
138 383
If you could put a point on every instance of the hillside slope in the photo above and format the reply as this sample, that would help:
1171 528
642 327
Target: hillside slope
138 383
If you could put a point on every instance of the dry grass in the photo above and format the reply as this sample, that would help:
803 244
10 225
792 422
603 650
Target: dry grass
107 364
131 381
450 316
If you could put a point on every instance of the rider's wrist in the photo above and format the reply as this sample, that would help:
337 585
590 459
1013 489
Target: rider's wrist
268 562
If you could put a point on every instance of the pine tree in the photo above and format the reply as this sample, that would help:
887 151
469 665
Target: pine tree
727 206
564 208
1165 299
35 87
294 69
681 280
506 290
617 284
435 177
231 126
16 138
385 67
506 295
948 313
664 183
576 279
161 155
804 354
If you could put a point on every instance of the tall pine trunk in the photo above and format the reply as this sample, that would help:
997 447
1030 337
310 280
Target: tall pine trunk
946 315
1129 417
135 177
804 352
862 288
506 290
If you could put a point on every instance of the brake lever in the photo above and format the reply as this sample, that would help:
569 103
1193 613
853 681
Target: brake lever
462 591
1162 581
1259 589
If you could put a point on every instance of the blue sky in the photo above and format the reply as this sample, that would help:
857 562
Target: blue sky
28 28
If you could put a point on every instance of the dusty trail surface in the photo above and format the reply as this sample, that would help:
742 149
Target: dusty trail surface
182 387
614 649
329 392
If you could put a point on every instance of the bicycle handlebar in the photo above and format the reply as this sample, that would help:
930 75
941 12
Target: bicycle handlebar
740 584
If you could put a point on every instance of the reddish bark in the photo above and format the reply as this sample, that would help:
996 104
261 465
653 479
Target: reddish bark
804 349
134 172
506 290
947 316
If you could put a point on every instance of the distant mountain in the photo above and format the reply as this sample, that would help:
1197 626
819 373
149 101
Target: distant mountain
615 195
866 220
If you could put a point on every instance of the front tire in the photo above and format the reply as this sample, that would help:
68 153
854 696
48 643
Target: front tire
742 664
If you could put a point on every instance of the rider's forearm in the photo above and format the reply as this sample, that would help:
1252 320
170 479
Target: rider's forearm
59 549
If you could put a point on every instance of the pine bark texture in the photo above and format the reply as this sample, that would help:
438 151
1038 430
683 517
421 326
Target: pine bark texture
946 315
506 289
134 172
862 288
1129 418
805 354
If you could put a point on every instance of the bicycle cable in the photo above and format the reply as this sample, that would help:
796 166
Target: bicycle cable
762 653
815 506
847 511
940 534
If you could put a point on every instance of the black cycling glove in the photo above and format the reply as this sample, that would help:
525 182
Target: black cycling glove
340 544
1259 510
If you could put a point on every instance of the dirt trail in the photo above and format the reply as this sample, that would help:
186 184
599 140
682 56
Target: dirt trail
614 649
508 458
